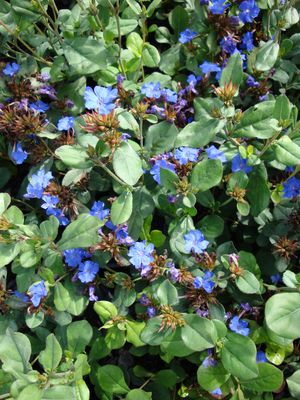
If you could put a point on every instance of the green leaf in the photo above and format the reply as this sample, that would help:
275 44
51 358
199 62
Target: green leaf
152 334
257 122
74 157
238 356
85 55
83 232
111 379
134 43
282 314
258 194
150 56
212 377
167 293
211 226
105 310
67 297
138 394
248 283
174 345
127 164
15 351
161 137
58 392
31 392
49 229
233 72
267 56
121 208
34 320
286 151
198 133
8 252
133 332
198 333
82 391
206 174
134 5
51 356
5 200
269 379
293 383
282 108
79 335
179 20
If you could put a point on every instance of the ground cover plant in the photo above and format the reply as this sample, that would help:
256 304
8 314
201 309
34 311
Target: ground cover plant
149 214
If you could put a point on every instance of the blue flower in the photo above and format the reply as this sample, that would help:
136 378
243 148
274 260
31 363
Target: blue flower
218 7
98 210
208 67
151 311
140 254
151 90
170 96
87 271
240 164
195 242
155 170
247 41
37 291
205 282
92 296
261 357
291 188
239 326
101 99
215 154
186 154
37 183
186 36
50 201
217 392
74 257
22 296
39 106
249 11
276 278
65 123
209 361
192 80
58 213
173 272
228 44
144 300
18 154
251 82
11 69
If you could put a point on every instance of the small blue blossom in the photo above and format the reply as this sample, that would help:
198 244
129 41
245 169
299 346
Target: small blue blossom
50 201
228 44
239 326
39 106
186 154
195 242
155 170
151 90
208 67
151 311
251 82
249 11
37 183
291 188
192 80
58 213
170 96
11 69
21 296
276 278
65 123
209 361
218 7
101 99
87 271
247 41
186 36
140 254
240 164
215 154
144 300
37 292
174 272
261 357
92 296
216 392
74 257
205 282
18 154
98 210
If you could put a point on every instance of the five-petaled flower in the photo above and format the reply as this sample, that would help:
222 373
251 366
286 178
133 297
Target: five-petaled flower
100 98
195 242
